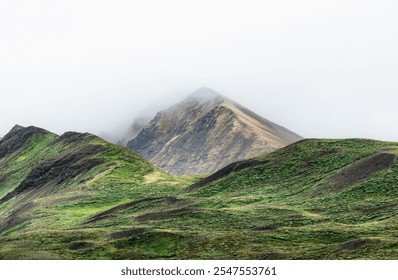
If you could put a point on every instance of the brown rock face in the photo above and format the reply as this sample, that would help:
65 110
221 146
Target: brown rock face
206 132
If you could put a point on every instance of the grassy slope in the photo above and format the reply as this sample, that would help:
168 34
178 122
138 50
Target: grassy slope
287 208
292 199
57 219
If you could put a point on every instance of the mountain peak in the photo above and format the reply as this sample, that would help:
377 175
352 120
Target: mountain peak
20 130
18 137
205 94
206 132
16 128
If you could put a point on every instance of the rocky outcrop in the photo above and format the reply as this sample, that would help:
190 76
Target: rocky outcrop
17 138
51 174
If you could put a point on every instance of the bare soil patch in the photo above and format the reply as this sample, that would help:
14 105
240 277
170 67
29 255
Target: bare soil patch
80 245
175 202
128 233
234 167
361 170
297 216
272 256
356 243
18 217
378 208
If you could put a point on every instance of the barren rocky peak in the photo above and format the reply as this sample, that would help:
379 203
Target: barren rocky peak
204 95
203 98
206 132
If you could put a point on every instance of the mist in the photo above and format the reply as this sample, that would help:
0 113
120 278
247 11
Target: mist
323 69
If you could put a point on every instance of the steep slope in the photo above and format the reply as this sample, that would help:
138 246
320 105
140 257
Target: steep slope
135 128
206 132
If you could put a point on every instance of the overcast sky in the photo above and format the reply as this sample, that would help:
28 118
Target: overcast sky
320 68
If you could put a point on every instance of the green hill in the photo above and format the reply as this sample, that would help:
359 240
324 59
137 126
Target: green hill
317 199
76 196
50 186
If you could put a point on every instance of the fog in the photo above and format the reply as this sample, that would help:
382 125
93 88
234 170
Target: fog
320 68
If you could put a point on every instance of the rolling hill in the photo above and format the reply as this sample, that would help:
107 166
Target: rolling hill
76 196
50 186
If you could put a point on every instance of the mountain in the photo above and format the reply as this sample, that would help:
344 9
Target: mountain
206 132
76 196
135 128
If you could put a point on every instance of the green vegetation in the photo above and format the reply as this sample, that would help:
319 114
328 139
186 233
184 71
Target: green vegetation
316 199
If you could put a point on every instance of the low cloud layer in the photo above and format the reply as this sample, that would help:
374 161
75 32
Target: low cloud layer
319 68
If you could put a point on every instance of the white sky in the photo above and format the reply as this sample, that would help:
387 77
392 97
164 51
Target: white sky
319 68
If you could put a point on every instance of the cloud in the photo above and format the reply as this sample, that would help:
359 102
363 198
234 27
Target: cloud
315 67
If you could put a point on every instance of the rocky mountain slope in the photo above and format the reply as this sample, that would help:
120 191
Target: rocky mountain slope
77 196
206 132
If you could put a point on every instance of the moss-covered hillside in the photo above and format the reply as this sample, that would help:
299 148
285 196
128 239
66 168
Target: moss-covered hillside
78 197
50 187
